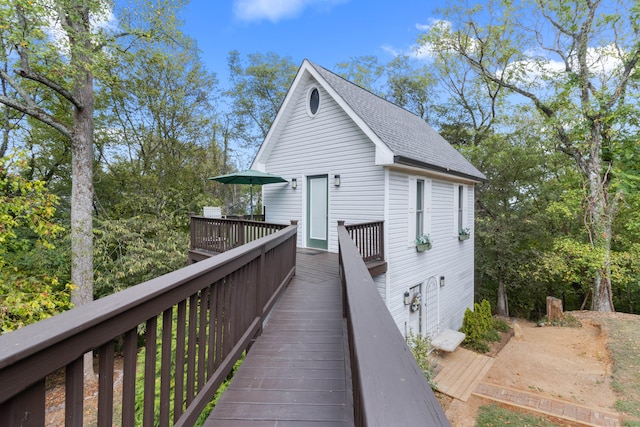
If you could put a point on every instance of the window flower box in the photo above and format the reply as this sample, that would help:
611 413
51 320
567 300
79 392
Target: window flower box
423 243
464 234
421 247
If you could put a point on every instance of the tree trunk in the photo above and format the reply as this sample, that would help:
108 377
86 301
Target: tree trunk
503 304
81 205
600 213
82 166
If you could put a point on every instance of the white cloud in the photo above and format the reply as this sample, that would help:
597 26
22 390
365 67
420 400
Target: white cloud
425 51
603 62
434 24
535 67
275 10
103 19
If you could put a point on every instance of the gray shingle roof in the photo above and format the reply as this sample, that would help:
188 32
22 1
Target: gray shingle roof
412 141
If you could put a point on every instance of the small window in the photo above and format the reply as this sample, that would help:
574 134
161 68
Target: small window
460 207
419 207
314 101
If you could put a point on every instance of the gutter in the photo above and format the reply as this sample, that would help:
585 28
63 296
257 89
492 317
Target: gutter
406 161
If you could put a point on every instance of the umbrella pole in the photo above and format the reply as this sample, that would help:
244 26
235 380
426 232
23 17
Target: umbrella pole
251 201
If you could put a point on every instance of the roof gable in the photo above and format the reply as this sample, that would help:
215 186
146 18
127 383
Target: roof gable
400 137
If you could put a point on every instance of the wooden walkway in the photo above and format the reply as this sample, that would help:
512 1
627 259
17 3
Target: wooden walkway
461 372
297 372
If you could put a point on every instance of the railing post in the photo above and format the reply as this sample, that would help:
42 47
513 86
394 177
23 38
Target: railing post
25 409
340 272
192 231
241 235
381 240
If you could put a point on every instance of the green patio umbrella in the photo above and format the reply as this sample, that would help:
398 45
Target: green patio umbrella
250 177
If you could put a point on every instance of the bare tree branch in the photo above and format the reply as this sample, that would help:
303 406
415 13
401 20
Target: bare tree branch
37 77
38 114
18 88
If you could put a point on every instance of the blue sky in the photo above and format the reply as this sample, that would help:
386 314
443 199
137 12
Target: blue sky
323 31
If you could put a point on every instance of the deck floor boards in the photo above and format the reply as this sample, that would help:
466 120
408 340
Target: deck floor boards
296 373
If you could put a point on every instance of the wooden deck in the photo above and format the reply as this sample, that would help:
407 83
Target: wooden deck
297 372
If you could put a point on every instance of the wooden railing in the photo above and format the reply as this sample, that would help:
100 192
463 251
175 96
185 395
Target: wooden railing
197 321
369 239
388 385
218 235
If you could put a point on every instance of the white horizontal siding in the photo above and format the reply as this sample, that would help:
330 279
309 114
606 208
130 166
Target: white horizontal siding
328 144
449 257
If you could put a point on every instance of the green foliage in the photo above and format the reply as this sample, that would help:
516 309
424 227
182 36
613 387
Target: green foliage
585 111
26 299
130 251
26 209
479 327
259 84
500 325
139 398
30 285
509 234
421 347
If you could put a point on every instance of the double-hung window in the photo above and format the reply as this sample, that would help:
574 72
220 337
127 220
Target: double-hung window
419 219
419 207
460 208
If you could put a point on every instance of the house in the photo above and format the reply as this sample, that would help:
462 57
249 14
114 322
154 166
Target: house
350 155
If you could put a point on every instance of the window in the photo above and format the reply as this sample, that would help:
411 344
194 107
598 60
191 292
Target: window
460 207
313 103
419 207
419 218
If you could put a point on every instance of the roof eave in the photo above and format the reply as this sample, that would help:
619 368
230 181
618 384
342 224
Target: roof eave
406 161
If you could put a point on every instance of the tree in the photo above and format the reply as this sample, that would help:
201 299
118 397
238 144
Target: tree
257 90
574 61
364 71
55 49
157 134
30 289
412 88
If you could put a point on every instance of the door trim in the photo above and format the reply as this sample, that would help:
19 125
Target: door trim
317 241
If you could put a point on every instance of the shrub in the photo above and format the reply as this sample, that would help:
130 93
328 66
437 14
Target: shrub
500 325
479 327
130 251
420 347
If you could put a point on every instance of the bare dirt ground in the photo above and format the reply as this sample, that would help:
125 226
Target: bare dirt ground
566 363
54 416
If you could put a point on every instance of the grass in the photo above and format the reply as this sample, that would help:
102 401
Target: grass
567 321
623 337
495 416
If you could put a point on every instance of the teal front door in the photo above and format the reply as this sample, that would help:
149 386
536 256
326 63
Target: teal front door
317 211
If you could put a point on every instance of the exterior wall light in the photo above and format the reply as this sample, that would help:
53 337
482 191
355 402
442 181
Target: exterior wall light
442 281
407 298
294 183
336 180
